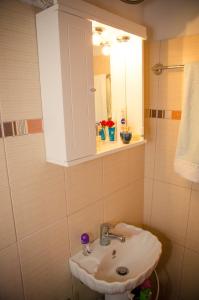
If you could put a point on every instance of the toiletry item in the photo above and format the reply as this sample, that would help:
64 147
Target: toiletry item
102 133
145 294
111 133
85 244
123 121
126 137
111 129
143 291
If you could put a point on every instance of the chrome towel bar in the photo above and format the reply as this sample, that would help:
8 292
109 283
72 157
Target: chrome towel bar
159 68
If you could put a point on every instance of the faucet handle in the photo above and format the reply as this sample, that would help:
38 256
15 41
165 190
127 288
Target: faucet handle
105 227
104 232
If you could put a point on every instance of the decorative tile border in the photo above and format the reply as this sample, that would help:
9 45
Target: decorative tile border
163 114
20 127
32 126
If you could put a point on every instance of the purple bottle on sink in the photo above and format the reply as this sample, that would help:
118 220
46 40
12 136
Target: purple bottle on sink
85 244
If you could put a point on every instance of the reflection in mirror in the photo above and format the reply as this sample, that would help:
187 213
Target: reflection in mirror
117 57
102 83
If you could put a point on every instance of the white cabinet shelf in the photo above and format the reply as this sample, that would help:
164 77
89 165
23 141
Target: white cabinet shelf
108 149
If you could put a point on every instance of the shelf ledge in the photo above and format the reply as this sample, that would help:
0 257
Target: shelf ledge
105 148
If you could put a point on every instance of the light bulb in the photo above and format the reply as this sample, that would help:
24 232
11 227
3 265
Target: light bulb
106 50
97 39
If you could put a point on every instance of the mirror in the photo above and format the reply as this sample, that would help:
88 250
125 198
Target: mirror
117 61
102 84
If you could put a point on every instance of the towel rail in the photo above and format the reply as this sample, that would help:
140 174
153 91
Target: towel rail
159 68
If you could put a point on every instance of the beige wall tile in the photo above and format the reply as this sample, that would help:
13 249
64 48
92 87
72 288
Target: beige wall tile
13 69
164 168
191 48
171 51
27 105
175 51
37 187
19 62
151 80
170 269
167 133
192 241
84 184
7 229
86 220
150 147
189 285
171 202
170 206
125 205
16 16
170 90
136 163
18 30
148 196
44 263
153 90
10 275
3 167
19 43
115 172
154 54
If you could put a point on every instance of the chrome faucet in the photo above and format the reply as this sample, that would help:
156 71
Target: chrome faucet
106 236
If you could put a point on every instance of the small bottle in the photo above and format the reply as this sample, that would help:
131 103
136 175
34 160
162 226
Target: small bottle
123 121
85 244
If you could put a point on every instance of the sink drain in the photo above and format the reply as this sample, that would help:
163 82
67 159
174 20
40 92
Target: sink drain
122 271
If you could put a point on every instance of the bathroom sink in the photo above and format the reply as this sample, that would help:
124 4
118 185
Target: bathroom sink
118 267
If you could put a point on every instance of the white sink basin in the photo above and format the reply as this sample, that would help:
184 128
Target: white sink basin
140 254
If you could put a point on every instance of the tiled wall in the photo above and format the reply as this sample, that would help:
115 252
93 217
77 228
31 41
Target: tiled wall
171 202
43 207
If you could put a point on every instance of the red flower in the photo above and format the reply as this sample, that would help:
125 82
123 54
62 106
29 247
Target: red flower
103 123
110 123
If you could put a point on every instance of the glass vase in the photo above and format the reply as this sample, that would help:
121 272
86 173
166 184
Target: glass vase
102 133
111 133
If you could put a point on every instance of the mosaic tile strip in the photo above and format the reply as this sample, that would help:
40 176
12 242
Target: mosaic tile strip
163 114
34 126
176 115
21 127
8 129
0 131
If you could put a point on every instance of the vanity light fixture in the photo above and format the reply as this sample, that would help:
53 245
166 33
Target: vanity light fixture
106 50
97 36
123 38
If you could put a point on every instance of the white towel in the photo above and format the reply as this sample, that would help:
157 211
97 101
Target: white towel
187 152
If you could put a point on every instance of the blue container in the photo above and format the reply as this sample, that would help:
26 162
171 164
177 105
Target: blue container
111 133
126 137
102 134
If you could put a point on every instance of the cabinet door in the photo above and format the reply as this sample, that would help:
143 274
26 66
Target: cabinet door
77 84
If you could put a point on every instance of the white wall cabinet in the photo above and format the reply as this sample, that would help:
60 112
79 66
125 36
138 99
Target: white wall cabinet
64 33
66 74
